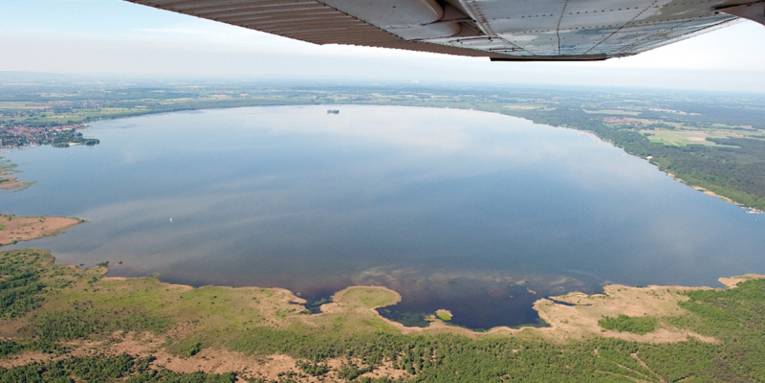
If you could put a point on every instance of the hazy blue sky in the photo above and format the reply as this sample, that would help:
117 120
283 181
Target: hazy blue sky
116 37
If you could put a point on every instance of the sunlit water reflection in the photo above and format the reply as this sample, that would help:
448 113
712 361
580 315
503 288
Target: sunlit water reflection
475 212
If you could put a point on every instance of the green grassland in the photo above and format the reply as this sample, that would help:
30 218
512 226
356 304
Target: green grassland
671 137
44 307
444 315
624 323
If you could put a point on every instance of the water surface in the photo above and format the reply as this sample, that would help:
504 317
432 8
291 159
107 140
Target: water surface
475 212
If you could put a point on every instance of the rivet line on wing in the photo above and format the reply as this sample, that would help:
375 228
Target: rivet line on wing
653 4
560 19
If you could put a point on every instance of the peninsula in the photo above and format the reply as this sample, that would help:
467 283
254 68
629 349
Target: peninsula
8 179
18 228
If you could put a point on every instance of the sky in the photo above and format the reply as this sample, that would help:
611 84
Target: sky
117 38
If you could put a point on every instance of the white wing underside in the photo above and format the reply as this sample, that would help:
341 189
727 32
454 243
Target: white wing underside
499 29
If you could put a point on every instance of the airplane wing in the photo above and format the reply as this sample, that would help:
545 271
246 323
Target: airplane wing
503 30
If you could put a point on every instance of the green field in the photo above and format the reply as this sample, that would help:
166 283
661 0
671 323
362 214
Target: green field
444 315
624 323
679 137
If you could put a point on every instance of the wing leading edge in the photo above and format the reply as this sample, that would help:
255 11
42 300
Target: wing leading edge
503 30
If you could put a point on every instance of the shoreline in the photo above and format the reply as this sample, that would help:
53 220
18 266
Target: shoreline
710 193
575 315
570 316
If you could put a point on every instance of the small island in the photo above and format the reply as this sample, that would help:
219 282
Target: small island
17 228
444 315
8 179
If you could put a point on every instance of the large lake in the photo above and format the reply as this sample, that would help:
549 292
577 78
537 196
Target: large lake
475 212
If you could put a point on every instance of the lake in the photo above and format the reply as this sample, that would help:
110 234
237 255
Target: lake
474 212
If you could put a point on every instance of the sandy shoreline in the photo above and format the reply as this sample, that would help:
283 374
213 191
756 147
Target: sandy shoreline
19 228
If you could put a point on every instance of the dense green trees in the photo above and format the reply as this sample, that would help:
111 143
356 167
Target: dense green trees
104 369
20 285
